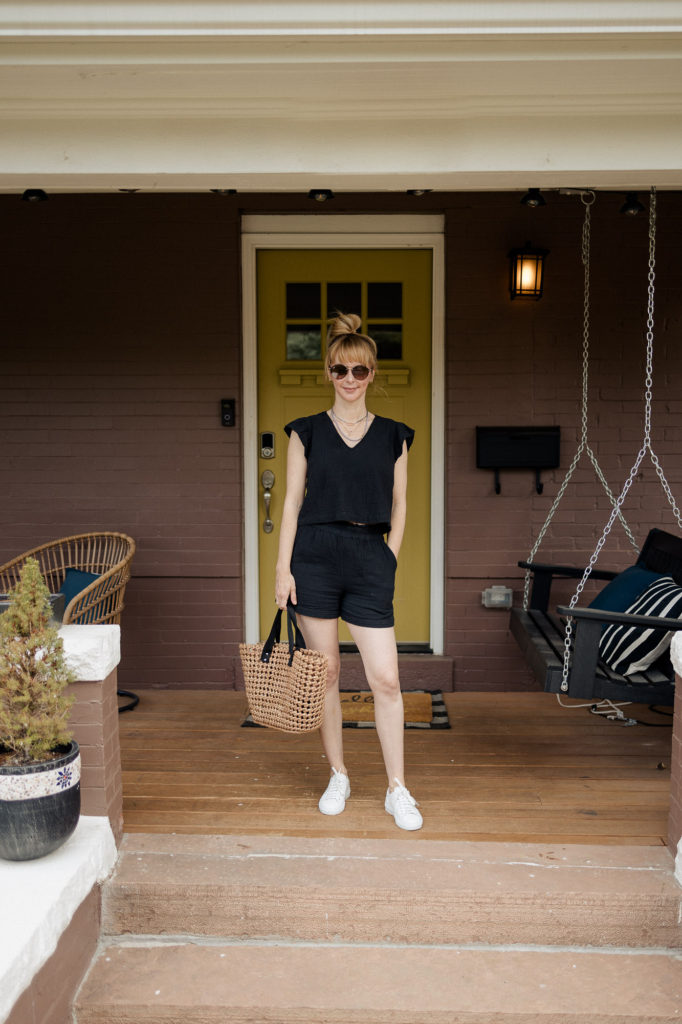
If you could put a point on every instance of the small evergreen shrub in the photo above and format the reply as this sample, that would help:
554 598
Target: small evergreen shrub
34 709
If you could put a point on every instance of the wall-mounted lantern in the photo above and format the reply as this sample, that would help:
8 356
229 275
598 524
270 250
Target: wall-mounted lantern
321 195
527 272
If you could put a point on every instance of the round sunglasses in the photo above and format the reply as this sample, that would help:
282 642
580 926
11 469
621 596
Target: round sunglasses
339 371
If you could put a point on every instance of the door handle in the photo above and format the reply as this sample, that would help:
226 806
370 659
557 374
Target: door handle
267 479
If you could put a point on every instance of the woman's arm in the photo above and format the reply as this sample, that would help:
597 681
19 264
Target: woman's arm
399 507
297 465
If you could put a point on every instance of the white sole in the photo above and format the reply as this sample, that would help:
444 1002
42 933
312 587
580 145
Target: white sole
405 828
408 828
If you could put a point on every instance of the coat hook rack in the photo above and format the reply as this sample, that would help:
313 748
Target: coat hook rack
517 448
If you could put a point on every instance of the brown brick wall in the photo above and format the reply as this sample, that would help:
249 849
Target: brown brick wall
182 632
123 330
94 719
49 998
124 335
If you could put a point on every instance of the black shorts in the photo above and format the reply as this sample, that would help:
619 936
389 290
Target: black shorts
344 571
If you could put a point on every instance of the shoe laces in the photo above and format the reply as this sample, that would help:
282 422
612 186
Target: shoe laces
403 797
337 783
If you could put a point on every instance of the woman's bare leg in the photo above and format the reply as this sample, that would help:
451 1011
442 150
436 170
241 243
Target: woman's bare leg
380 660
323 635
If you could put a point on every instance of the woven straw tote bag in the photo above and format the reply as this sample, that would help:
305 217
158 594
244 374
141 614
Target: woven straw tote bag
285 682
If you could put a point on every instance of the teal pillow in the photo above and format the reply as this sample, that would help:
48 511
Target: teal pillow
76 580
619 593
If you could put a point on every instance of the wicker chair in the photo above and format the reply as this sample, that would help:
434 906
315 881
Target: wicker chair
107 554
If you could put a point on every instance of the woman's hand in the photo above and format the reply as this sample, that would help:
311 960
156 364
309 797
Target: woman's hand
285 589
285 584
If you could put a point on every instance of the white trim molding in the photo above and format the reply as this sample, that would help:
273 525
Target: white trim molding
272 19
374 96
343 232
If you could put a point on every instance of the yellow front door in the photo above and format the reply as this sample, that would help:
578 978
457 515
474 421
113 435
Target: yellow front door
391 290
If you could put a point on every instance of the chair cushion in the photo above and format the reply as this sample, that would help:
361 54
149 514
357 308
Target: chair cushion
630 649
76 580
619 593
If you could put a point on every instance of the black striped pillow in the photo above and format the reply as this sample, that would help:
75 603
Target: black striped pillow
630 649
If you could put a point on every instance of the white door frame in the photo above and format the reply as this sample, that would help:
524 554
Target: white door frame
352 231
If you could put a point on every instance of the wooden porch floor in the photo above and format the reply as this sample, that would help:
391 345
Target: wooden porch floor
514 767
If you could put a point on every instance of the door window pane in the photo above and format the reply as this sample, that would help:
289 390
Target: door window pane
303 300
389 339
345 297
385 298
303 342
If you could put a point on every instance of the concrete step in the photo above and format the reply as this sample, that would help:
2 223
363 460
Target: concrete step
215 983
393 891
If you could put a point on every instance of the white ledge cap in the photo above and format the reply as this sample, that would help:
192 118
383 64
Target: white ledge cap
676 652
39 898
92 652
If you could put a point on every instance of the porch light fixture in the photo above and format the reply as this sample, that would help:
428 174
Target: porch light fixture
632 206
418 191
224 191
533 198
320 195
34 195
527 272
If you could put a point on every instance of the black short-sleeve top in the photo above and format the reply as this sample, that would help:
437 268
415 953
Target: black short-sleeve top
349 484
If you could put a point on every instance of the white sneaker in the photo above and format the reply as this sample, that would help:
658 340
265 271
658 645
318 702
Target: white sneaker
333 800
403 806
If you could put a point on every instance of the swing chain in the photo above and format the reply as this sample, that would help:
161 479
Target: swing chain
586 315
646 446
587 198
650 320
649 361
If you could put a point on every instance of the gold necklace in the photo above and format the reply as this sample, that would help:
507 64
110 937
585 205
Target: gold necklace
349 422
346 436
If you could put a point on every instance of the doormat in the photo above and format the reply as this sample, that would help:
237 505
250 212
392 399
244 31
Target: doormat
423 710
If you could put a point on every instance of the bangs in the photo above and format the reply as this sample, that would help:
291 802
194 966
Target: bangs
352 350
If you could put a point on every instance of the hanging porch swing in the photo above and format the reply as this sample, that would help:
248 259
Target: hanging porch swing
616 648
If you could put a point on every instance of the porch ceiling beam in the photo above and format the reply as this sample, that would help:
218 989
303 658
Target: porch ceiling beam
283 155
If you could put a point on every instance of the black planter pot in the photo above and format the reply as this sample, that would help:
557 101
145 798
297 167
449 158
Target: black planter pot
39 805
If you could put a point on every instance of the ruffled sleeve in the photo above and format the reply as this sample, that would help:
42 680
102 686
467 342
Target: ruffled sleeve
303 428
401 433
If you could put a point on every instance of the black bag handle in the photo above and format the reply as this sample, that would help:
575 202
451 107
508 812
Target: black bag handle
294 635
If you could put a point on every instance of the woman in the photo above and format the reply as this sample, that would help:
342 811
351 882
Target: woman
346 489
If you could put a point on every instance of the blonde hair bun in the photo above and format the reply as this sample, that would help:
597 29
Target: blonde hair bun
344 341
344 323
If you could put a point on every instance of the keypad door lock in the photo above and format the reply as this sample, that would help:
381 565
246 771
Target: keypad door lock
267 445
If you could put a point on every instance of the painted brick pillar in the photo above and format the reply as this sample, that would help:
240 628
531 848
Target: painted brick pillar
675 820
93 652
52 906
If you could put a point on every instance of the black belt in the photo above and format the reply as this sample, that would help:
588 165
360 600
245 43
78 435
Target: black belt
362 527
